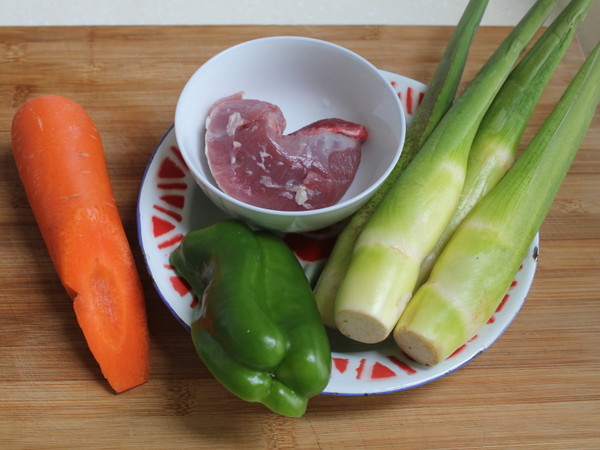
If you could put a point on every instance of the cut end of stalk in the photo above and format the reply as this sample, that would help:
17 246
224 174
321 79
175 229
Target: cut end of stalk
375 291
431 327
362 327
417 347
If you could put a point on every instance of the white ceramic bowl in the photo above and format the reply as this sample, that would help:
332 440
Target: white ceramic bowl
309 80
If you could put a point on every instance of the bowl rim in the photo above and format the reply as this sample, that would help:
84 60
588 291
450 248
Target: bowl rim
340 205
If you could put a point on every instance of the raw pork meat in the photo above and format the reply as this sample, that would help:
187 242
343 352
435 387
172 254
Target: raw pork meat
253 162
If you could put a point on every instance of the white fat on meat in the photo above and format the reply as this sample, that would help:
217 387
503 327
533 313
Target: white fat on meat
253 161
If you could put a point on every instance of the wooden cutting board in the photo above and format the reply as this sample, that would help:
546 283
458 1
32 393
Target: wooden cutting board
538 386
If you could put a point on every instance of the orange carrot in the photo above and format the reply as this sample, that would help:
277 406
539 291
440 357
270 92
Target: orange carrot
62 166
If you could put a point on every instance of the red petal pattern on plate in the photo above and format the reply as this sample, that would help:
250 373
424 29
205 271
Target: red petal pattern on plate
172 166
178 201
168 169
309 248
402 365
172 242
177 186
180 285
360 368
381 371
161 226
168 212
409 102
340 364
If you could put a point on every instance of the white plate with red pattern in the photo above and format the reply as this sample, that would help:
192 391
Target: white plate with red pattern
170 205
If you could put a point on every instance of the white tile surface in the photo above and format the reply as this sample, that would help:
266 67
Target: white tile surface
270 12
199 12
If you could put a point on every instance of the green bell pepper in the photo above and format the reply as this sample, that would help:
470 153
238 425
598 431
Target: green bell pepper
256 327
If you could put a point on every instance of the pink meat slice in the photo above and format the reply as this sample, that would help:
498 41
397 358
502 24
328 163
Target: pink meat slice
251 159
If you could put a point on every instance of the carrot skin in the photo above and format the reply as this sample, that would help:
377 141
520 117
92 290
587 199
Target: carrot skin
62 166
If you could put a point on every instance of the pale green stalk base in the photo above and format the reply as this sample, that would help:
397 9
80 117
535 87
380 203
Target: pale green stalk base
490 162
480 262
375 324
384 266
429 345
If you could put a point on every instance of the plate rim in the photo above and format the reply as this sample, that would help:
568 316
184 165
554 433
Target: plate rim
377 388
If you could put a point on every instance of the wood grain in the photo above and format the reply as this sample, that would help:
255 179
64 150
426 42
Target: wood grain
538 386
